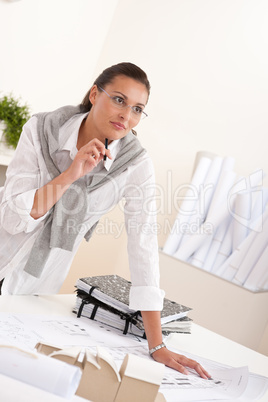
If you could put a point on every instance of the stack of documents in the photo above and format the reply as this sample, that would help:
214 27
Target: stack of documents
106 299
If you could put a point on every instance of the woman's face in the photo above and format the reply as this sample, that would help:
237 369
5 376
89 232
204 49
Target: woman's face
107 118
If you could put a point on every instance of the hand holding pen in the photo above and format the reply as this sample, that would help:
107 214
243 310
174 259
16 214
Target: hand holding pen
106 147
87 158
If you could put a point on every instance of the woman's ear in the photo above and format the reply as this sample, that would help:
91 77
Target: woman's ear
93 93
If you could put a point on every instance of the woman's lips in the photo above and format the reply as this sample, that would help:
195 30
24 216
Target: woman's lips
117 125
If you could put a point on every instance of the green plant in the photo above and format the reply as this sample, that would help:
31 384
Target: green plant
14 115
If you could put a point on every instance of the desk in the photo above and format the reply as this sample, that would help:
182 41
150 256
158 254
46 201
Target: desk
201 342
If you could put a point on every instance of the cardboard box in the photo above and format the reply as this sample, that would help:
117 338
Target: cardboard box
46 348
96 371
100 379
138 380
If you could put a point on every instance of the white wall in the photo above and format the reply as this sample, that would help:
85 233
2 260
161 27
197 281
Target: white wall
207 61
49 49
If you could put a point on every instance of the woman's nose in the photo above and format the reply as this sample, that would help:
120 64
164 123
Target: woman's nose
125 113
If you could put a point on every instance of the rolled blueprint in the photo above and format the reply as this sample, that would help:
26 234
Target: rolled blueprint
254 252
40 371
218 211
202 154
259 201
242 218
200 255
187 207
259 274
264 282
229 269
205 196
236 191
215 245
225 249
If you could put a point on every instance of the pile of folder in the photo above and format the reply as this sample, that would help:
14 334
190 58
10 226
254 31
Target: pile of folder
105 299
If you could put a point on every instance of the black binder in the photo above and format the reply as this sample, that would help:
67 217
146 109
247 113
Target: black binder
106 299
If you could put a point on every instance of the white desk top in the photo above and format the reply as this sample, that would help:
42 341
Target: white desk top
200 342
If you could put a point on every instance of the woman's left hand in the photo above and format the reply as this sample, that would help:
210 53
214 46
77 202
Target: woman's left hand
179 362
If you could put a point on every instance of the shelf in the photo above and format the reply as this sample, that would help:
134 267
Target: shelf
221 306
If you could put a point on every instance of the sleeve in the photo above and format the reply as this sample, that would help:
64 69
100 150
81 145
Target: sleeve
142 228
23 178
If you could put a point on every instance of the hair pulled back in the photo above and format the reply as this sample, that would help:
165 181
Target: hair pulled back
109 74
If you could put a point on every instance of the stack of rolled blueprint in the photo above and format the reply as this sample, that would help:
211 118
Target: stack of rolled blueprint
222 223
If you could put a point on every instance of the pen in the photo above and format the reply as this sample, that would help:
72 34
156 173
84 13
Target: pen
106 147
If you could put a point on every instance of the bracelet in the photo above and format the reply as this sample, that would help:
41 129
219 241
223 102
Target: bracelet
162 345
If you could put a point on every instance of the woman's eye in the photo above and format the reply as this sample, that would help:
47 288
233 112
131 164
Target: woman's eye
118 100
137 109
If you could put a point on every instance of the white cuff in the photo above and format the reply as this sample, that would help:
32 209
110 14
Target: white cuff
146 298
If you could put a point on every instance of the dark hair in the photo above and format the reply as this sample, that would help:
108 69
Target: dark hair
109 74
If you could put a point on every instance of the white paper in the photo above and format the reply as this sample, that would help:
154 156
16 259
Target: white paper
31 329
256 387
26 330
225 384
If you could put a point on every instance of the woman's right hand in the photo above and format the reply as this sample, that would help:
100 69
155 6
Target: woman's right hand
87 158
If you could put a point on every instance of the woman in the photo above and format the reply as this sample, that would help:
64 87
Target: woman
63 179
